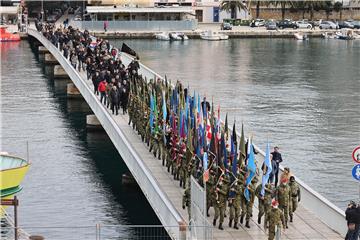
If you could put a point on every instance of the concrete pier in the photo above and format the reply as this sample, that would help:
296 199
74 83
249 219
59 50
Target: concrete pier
92 123
42 50
72 91
49 59
59 72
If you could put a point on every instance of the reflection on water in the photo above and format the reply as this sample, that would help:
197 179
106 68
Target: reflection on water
303 96
75 177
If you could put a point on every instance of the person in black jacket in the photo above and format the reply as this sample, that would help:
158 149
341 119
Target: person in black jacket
114 99
352 215
275 162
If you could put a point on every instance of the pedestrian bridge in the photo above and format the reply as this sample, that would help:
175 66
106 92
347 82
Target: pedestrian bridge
316 217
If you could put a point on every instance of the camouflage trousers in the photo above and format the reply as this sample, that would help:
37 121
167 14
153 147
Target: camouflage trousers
246 209
274 231
293 206
235 212
220 212
285 209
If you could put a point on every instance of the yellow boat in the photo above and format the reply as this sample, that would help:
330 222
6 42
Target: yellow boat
12 172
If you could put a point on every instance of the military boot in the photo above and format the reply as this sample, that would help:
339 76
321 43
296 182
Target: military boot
236 225
286 225
241 219
221 227
214 222
180 183
230 223
247 224
259 220
291 218
207 213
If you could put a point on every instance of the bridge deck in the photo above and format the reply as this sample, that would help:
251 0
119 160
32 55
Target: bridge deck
305 226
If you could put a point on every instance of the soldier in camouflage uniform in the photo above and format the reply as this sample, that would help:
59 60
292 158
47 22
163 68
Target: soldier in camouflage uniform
183 166
210 184
246 206
275 220
186 201
264 201
220 203
283 197
235 203
295 196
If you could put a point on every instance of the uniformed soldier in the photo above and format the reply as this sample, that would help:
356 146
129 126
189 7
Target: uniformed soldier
235 203
275 220
220 203
210 184
264 201
250 203
295 196
186 201
283 197
183 165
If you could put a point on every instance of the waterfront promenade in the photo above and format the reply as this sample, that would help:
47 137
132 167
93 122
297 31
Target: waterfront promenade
306 225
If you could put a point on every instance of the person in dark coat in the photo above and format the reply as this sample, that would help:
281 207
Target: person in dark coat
96 80
124 98
114 99
352 215
275 162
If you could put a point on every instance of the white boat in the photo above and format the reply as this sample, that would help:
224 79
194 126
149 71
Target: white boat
175 37
345 34
183 36
300 36
162 36
328 35
213 36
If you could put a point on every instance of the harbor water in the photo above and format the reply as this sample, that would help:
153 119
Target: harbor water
301 96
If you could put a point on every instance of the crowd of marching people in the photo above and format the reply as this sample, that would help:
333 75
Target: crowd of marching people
185 132
101 63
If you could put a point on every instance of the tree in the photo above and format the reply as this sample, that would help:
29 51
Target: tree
338 8
258 4
232 6
283 5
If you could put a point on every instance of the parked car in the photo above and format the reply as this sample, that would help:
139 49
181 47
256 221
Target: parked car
287 24
51 18
316 23
270 25
328 25
303 24
257 23
77 18
345 24
356 24
71 10
226 26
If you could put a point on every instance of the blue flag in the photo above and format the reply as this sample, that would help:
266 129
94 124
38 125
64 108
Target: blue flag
267 163
252 171
205 161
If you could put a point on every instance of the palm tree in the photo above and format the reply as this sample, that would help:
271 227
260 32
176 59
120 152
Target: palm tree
338 8
258 4
232 6
283 5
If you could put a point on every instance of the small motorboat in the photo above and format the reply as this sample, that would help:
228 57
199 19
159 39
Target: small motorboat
183 36
300 36
328 35
6 36
345 34
175 37
213 36
162 36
